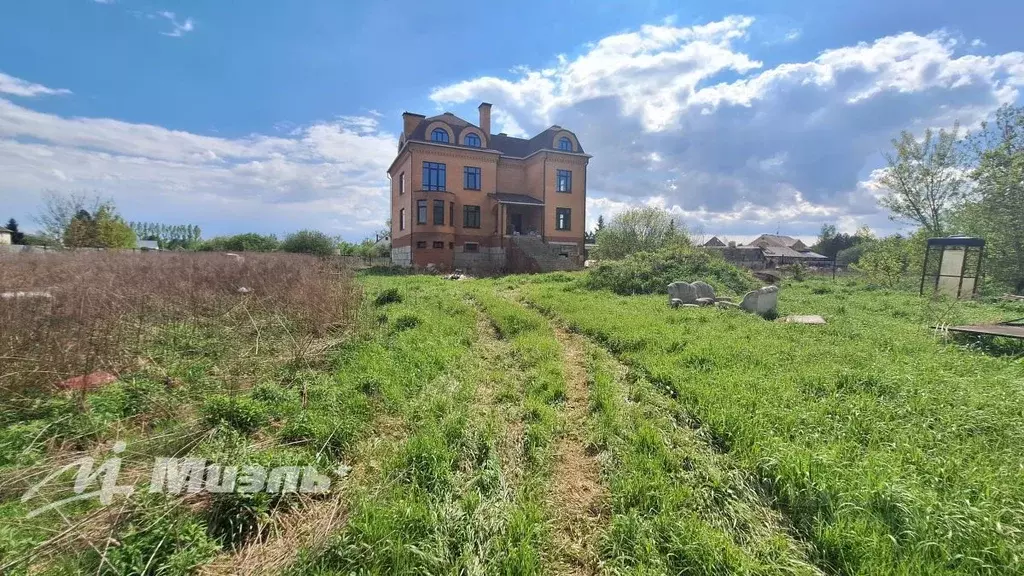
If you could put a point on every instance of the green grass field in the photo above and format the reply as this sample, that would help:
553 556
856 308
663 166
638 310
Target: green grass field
527 425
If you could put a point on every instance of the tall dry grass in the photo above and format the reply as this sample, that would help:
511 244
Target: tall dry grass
102 309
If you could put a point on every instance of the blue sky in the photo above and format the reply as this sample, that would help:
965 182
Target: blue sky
273 116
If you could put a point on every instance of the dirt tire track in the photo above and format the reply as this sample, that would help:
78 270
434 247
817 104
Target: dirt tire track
310 525
578 498
769 513
312 522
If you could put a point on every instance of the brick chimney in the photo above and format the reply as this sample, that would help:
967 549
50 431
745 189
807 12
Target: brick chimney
485 118
410 121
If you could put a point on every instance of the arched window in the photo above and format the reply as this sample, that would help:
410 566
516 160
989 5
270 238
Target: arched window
565 144
439 135
472 140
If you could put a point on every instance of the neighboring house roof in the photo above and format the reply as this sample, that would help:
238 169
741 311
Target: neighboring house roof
815 255
2 230
775 240
714 242
779 240
786 252
148 245
506 198
780 252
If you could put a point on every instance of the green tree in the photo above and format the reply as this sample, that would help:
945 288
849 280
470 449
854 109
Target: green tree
639 230
926 179
80 231
104 229
831 242
309 242
17 236
111 230
885 262
171 237
996 209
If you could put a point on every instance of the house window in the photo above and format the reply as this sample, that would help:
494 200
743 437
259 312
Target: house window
471 178
401 183
421 243
421 211
471 247
439 245
565 144
451 245
433 176
451 213
563 181
401 219
470 216
438 212
472 140
563 219
439 135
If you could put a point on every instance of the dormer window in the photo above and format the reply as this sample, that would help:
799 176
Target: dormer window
472 140
565 144
439 135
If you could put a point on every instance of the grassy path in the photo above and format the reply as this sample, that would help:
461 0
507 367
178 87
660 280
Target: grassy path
675 504
881 449
460 492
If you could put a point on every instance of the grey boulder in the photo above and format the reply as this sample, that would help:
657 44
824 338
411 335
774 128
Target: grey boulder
762 301
703 289
682 291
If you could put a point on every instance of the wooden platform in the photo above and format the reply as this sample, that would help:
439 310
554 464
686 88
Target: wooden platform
1006 329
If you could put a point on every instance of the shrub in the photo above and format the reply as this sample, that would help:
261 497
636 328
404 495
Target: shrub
799 271
639 230
652 272
248 242
159 538
406 322
241 413
333 430
309 242
389 296
885 262
852 254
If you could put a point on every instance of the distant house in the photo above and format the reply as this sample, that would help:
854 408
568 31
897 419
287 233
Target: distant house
765 240
147 245
768 251
5 236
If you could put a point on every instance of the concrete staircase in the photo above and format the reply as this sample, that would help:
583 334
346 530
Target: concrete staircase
546 257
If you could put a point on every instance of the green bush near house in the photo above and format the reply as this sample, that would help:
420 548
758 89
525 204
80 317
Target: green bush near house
652 272
309 242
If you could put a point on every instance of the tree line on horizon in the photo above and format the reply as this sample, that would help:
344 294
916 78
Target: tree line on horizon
81 220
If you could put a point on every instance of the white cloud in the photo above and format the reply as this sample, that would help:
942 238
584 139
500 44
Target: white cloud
329 175
180 28
684 114
18 87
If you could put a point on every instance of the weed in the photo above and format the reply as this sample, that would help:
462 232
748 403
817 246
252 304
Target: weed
240 413
388 296
406 322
